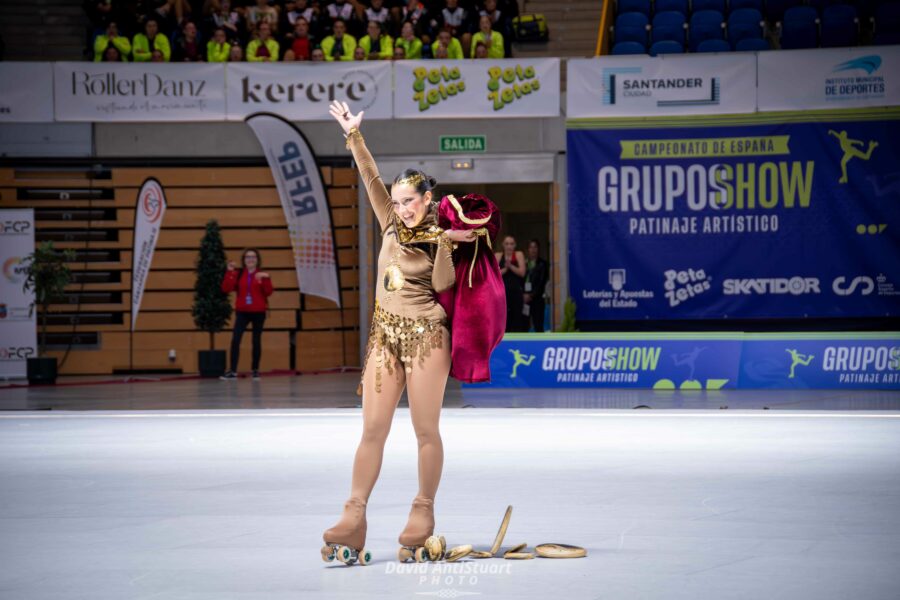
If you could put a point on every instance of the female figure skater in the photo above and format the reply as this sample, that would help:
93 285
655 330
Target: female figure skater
409 345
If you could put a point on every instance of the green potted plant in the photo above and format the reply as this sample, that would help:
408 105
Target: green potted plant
47 274
568 322
211 308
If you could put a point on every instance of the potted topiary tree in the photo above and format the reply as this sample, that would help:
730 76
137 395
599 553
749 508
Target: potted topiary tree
47 274
211 308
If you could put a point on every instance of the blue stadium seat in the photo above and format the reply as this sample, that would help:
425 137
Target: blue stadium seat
840 26
713 45
668 25
887 17
671 5
821 5
718 5
744 23
775 9
736 4
666 47
886 38
631 27
800 28
627 6
706 25
752 45
623 48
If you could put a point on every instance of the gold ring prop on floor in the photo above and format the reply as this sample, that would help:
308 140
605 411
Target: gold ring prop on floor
559 551
504 525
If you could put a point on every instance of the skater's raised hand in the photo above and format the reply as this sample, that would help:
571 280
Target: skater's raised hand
341 113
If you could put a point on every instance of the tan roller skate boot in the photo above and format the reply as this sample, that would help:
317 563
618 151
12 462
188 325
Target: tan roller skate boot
346 540
418 541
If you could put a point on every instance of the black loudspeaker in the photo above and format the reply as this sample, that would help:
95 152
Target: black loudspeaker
41 370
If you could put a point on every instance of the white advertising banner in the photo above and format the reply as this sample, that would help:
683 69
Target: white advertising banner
509 87
18 327
829 78
26 92
304 202
693 84
88 91
148 217
303 91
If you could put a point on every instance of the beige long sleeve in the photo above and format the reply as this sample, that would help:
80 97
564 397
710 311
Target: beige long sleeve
379 197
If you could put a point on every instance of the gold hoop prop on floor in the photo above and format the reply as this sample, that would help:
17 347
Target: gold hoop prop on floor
504 525
559 551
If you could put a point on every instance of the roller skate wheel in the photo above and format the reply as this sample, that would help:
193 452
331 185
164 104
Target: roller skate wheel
404 554
365 557
443 545
420 554
345 555
327 553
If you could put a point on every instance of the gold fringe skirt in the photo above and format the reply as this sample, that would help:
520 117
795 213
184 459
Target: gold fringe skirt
402 338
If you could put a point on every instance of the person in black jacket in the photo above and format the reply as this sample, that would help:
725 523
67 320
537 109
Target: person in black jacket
536 275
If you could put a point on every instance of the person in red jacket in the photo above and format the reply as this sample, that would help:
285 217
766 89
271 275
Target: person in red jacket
253 288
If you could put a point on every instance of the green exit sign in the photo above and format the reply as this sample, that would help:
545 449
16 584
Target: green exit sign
463 143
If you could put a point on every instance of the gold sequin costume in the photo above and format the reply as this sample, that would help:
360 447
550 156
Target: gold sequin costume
414 263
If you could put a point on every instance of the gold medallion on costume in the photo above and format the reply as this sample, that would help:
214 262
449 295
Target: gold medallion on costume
393 277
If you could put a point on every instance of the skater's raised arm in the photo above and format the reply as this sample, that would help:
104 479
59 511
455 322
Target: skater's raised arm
379 197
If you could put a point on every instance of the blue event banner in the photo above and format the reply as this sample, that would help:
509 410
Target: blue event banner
701 361
750 219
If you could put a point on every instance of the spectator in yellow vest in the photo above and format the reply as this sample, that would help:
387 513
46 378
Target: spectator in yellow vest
377 44
412 46
111 37
341 45
490 38
264 48
144 44
218 48
452 45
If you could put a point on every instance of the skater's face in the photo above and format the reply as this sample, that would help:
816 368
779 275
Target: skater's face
409 204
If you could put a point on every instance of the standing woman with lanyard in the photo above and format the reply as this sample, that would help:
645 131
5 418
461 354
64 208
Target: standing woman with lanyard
253 289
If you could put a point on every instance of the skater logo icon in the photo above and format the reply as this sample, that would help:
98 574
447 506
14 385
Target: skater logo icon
520 359
618 297
771 285
851 149
681 286
432 86
862 284
798 359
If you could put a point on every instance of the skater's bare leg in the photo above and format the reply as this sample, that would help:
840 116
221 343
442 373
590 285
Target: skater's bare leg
378 410
426 385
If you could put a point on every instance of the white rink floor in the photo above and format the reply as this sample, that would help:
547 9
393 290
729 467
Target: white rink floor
670 504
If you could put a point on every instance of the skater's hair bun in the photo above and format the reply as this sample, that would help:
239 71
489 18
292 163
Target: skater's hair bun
417 179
